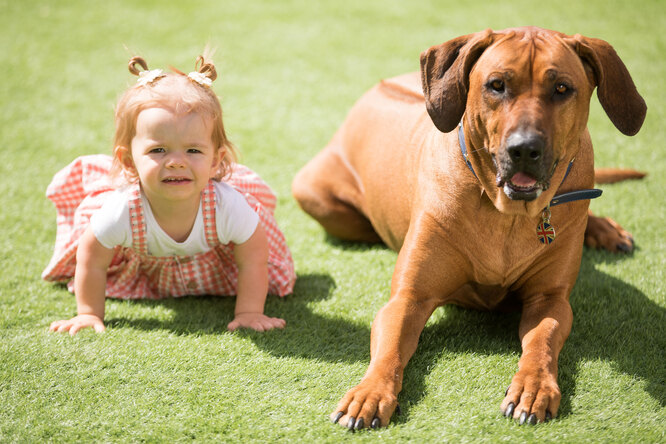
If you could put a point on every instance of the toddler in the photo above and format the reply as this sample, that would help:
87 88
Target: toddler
156 220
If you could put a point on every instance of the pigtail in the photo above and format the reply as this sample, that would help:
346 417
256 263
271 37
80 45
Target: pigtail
206 68
204 73
146 76
133 62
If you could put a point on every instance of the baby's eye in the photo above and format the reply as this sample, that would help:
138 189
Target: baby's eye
157 149
194 150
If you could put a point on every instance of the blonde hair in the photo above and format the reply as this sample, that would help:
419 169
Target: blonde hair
178 92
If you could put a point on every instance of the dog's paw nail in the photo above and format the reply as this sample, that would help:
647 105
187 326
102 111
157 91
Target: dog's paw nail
337 417
509 410
507 390
351 423
523 418
375 423
532 419
548 416
359 424
624 248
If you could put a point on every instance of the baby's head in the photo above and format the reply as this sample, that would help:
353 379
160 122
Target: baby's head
177 92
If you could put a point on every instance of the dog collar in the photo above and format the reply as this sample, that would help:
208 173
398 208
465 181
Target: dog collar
545 231
571 196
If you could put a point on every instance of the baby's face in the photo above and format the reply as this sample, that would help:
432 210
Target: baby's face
173 154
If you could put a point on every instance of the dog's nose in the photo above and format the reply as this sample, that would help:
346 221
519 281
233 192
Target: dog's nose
525 147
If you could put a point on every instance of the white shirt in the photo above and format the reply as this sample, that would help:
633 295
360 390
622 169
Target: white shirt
235 222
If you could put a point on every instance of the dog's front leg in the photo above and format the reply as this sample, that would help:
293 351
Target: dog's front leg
395 334
534 395
422 277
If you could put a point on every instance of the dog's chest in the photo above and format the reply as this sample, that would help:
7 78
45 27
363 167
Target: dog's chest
496 274
502 251
485 297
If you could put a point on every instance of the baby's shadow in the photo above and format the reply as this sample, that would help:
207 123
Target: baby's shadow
307 334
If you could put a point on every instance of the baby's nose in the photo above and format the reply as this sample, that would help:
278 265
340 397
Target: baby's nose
175 160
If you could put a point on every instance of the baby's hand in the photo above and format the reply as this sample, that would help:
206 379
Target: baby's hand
255 321
77 323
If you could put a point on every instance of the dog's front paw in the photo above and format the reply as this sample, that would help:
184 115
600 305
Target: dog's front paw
607 234
369 404
532 397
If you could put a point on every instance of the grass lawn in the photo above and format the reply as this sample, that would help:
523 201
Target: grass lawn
288 72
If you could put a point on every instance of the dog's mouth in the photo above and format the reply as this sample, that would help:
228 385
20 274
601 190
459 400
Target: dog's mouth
522 186
522 181
524 164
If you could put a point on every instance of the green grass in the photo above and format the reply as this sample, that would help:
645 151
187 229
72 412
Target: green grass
288 72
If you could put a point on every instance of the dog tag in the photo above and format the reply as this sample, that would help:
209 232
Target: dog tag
545 231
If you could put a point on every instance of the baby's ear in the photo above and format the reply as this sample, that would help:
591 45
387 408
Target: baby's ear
124 156
218 169
219 156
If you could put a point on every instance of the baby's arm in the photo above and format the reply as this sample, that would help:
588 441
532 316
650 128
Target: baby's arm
92 262
252 259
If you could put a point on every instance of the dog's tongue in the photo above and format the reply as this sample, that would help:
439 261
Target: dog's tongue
523 180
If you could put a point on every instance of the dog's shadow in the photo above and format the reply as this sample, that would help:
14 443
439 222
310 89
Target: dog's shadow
613 321
308 334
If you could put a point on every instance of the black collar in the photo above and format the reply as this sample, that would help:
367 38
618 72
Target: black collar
558 199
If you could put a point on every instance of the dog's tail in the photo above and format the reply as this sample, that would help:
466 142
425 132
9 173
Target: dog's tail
612 175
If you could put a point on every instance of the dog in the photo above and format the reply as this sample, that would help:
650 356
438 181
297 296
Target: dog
484 192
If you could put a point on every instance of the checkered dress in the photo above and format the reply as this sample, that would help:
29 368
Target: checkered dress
81 188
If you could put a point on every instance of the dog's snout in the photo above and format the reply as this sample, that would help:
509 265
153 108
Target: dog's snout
525 148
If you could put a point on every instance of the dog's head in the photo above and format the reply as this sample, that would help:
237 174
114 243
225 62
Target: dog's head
526 92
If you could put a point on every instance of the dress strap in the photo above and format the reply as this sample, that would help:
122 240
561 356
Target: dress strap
137 221
209 209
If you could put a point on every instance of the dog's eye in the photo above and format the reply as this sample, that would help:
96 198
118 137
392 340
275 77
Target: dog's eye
496 85
562 91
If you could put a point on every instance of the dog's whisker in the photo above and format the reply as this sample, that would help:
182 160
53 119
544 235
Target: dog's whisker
479 149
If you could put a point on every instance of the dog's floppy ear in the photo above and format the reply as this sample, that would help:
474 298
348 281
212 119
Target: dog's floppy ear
445 72
615 88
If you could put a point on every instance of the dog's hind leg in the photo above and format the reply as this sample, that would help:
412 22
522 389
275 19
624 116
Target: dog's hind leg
327 190
603 232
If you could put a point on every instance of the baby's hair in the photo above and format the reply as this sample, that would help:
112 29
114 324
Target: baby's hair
178 92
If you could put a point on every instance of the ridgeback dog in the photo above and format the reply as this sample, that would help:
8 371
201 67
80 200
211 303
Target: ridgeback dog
484 192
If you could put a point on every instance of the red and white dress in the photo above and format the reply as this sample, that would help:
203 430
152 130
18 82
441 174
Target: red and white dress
81 188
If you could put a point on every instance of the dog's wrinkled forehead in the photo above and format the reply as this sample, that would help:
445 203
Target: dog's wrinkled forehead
521 53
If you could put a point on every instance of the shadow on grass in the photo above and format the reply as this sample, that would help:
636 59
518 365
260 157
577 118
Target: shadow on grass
354 246
308 335
613 321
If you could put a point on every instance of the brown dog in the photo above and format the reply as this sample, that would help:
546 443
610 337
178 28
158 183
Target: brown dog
468 228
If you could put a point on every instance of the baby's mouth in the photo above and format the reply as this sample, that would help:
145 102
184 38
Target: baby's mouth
176 180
